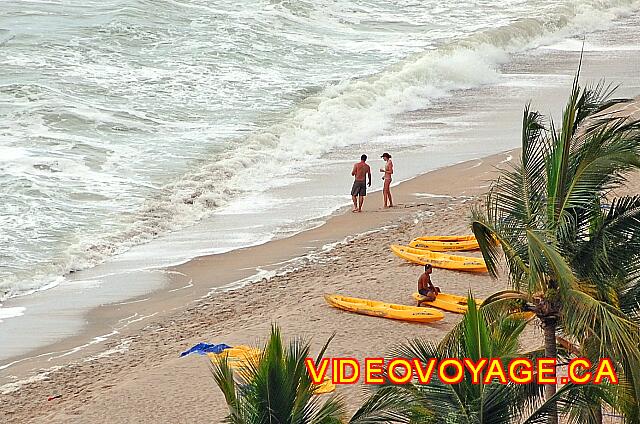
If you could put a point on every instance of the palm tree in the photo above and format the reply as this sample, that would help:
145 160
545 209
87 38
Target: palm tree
477 336
488 332
275 388
570 262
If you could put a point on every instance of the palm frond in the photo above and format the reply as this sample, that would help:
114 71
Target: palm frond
487 332
583 316
224 378
545 257
485 235
610 254
421 349
276 387
567 259
598 165
514 248
575 402
389 404
627 399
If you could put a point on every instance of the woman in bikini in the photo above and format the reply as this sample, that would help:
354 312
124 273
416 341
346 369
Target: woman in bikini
388 171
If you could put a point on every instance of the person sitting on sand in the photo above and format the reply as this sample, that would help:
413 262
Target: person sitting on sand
426 287
359 190
388 171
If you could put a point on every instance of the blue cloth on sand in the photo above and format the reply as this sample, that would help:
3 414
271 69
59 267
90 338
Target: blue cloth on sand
204 348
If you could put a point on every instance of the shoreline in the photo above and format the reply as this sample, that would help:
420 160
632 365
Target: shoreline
440 189
487 124
128 369
64 316
187 282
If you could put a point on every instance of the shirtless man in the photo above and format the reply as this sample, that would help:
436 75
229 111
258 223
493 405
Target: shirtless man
426 287
388 171
359 190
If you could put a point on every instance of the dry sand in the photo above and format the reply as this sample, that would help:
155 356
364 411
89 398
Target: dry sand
144 380
148 382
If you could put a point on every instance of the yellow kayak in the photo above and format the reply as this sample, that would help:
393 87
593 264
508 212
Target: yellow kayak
384 310
240 357
458 304
447 302
444 246
524 315
469 237
439 260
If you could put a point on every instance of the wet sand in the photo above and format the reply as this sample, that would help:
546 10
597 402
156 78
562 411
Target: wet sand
142 379
233 298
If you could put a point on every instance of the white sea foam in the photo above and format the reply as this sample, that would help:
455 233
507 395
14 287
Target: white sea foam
5 389
14 386
431 195
11 312
573 45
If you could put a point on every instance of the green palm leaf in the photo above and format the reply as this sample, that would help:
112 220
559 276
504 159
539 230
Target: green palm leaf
482 333
276 388
577 266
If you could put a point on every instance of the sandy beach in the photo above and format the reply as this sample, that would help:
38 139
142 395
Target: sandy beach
103 342
142 379
136 375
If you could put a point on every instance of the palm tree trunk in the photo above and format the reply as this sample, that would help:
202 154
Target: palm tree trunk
550 351
598 414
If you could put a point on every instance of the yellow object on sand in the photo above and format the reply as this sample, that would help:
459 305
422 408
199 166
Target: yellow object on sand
325 387
439 260
469 237
447 302
236 354
458 304
240 357
444 246
384 310
523 315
